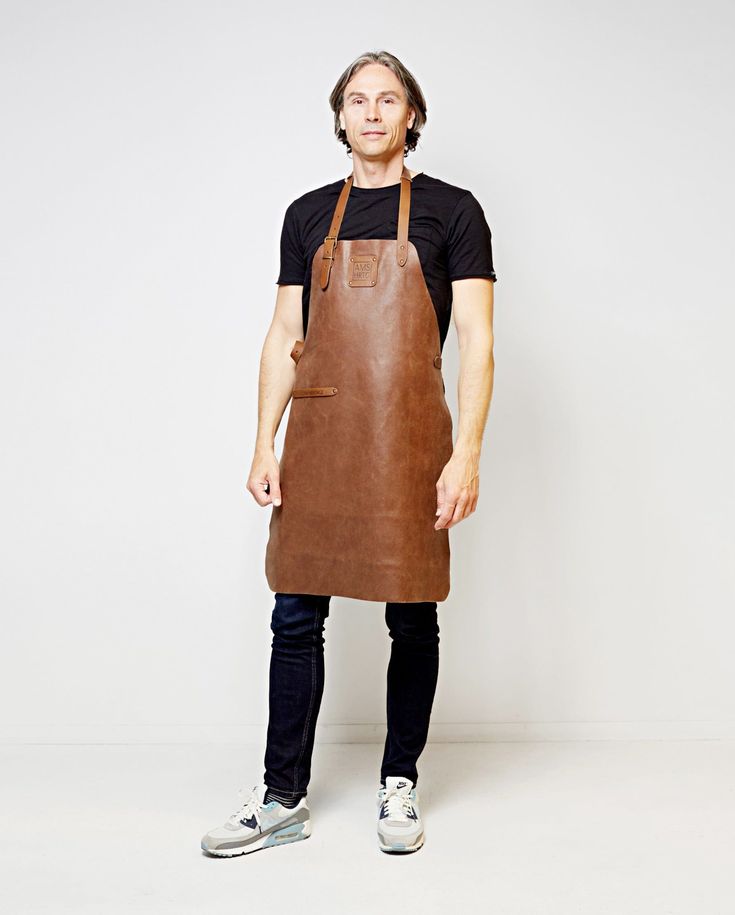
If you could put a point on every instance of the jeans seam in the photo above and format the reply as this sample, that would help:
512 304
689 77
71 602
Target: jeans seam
311 704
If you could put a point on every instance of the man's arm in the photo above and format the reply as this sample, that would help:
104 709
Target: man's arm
458 486
277 373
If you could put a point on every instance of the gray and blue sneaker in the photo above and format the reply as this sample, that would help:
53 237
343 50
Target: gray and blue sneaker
399 820
258 825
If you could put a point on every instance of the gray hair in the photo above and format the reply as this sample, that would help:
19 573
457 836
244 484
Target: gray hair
414 95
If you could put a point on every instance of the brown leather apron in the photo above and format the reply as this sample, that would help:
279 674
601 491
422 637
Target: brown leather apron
369 430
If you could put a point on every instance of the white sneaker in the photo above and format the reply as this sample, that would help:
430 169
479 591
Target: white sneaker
399 820
257 825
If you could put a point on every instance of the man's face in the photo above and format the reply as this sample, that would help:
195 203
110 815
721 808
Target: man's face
375 113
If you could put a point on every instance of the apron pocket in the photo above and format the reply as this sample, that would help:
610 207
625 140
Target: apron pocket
313 392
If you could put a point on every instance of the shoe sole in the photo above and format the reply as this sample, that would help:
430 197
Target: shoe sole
399 849
295 832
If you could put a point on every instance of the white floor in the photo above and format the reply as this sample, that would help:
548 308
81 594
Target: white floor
569 827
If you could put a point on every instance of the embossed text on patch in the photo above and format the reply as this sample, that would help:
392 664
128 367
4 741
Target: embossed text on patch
363 270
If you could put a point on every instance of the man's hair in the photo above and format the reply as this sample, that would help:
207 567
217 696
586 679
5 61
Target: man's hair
414 95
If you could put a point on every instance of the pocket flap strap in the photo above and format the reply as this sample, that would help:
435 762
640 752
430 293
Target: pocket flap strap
314 392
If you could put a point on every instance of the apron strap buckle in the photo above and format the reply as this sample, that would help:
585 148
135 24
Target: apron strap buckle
330 242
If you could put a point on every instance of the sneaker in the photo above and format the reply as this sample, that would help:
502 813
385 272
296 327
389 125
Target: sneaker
258 825
399 821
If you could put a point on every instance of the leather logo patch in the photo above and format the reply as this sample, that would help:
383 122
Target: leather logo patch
363 270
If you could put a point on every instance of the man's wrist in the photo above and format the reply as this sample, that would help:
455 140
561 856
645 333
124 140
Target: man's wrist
467 449
265 444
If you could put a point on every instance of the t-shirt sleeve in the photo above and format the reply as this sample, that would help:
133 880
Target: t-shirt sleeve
292 252
469 241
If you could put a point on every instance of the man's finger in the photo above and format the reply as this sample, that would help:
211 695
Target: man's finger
266 492
257 490
460 510
275 491
446 509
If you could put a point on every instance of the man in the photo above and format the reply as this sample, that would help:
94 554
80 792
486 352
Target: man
369 482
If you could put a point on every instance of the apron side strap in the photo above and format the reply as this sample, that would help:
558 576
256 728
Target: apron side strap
330 241
296 351
404 209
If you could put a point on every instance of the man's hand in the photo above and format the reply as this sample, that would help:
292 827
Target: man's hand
457 490
265 469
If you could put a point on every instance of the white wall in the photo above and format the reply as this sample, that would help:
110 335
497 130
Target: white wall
149 151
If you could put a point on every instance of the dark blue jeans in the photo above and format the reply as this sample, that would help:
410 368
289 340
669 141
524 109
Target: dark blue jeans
297 684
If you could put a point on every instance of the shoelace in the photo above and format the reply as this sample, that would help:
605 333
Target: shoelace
249 808
397 804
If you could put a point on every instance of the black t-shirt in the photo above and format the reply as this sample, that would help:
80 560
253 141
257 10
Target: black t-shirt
447 225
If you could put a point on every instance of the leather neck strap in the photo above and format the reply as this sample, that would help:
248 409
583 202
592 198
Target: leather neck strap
330 241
